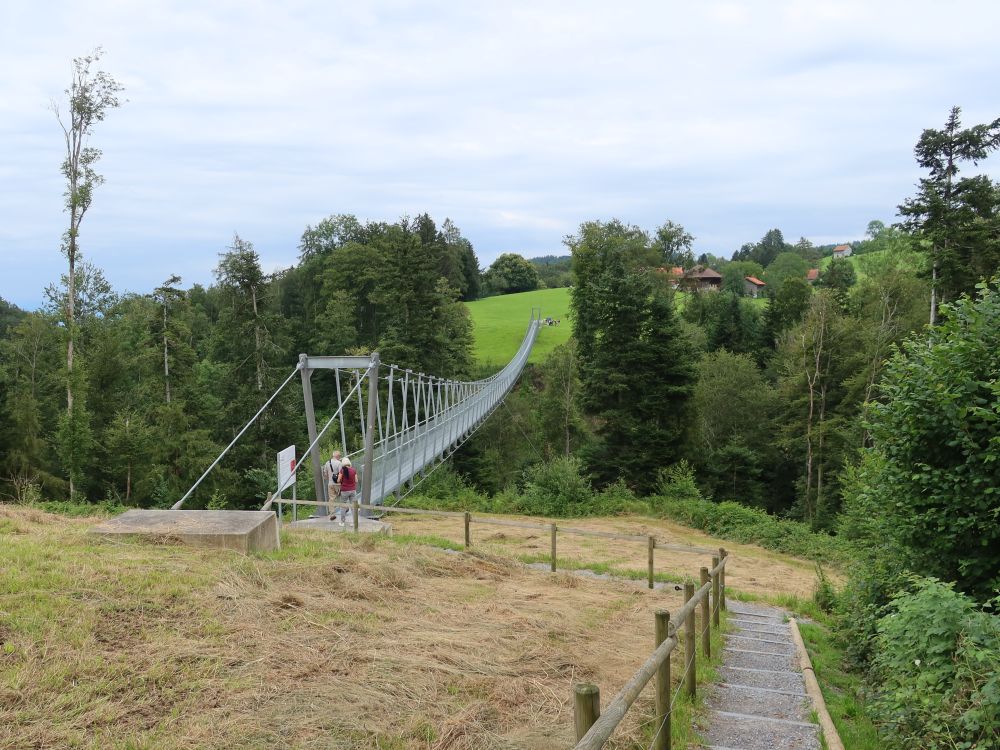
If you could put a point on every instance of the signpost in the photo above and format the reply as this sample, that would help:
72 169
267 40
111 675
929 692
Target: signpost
286 476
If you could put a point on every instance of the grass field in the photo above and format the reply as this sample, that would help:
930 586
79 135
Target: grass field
856 261
500 323
333 641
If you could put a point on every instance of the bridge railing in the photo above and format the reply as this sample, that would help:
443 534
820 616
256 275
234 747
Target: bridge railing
453 412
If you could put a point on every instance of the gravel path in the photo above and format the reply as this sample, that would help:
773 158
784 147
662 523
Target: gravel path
761 702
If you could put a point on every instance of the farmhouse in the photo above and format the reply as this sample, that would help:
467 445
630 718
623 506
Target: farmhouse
842 251
752 286
700 278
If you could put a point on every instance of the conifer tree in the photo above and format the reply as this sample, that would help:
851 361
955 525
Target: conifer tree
958 217
636 365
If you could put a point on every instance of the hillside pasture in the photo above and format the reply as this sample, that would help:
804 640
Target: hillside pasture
500 323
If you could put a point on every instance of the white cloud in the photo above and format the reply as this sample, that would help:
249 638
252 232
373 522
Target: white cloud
517 120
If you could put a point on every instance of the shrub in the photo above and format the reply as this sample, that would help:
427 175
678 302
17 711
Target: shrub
937 670
741 523
825 595
877 572
618 499
558 488
677 482
939 483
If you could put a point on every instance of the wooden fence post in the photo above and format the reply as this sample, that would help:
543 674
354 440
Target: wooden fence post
690 651
651 543
715 593
468 530
662 741
586 707
722 579
706 629
553 548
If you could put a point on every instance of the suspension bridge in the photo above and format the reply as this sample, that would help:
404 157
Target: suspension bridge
411 422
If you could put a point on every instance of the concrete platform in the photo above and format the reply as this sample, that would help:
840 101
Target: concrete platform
365 525
241 530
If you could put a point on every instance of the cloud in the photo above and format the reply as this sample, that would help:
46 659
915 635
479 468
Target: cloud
516 120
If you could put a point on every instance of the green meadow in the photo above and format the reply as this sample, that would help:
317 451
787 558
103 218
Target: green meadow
501 322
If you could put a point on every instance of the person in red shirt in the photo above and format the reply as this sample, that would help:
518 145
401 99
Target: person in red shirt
348 481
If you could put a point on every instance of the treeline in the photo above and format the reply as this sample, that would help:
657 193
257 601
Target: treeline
763 397
162 381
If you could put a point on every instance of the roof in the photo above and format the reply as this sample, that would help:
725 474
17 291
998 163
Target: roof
812 274
755 281
700 272
841 248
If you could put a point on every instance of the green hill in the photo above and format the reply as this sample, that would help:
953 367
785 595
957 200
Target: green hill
500 323
854 259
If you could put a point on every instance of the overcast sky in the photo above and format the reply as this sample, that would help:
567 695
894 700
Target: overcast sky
518 120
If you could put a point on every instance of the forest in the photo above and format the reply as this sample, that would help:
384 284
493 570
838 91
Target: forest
856 399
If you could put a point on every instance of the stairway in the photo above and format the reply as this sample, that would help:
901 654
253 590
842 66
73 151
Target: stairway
761 701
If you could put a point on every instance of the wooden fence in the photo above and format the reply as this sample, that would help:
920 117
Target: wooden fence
552 529
594 727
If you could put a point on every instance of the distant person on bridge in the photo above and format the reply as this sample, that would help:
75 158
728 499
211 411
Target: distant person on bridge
331 470
347 479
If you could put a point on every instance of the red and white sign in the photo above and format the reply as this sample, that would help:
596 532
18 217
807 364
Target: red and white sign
286 467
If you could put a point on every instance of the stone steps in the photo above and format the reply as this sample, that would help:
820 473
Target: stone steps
761 702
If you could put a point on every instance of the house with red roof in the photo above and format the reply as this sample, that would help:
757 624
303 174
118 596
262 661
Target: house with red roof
673 274
753 287
812 274
842 251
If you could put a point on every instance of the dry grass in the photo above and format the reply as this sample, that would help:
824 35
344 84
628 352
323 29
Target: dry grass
753 569
329 643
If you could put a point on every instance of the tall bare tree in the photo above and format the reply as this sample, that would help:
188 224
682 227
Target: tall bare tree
90 95
165 296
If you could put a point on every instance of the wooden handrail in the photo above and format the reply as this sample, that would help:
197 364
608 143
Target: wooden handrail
611 716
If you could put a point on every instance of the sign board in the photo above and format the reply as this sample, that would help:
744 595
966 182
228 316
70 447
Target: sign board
286 468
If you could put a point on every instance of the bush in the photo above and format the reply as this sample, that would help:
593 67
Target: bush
618 499
677 482
825 595
877 572
936 432
558 488
747 525
937 670
554 488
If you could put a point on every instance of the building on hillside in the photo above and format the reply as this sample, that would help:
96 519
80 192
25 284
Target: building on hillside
673 274
700 278
811 275
842 251
753 287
